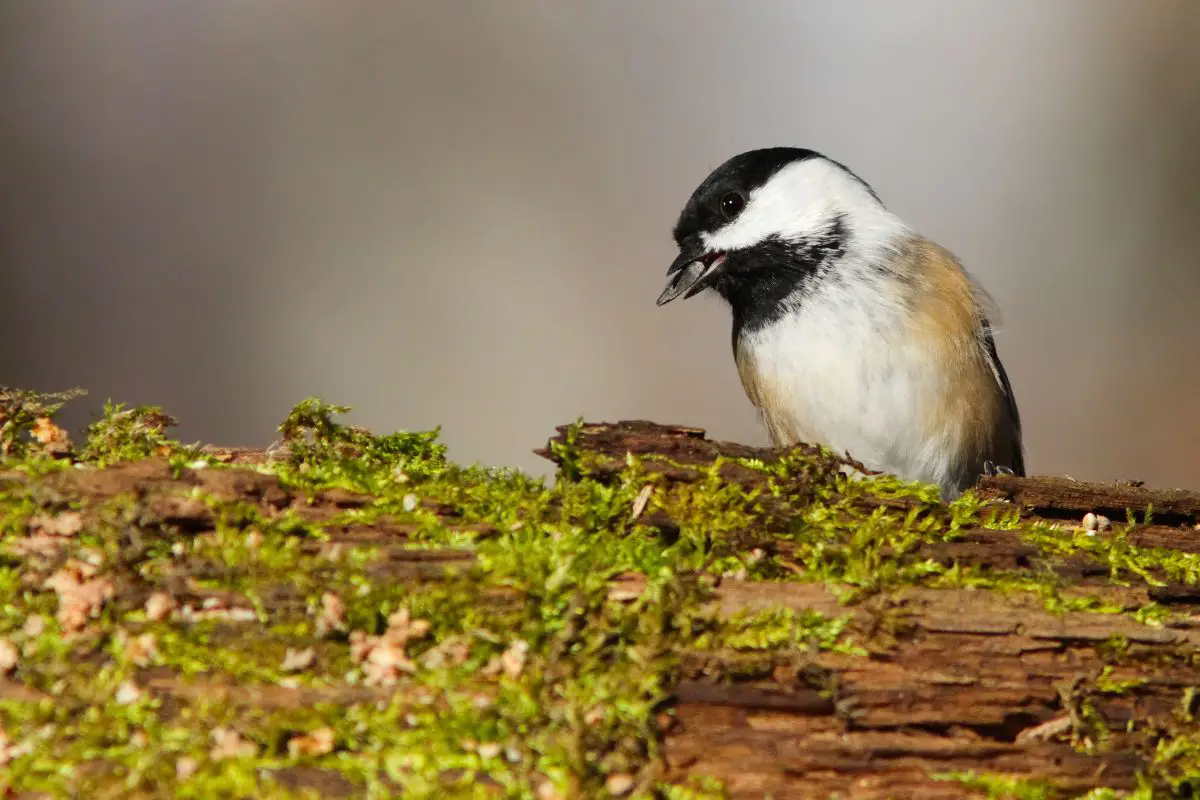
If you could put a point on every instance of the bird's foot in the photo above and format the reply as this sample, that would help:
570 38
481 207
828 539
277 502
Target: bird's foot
991 469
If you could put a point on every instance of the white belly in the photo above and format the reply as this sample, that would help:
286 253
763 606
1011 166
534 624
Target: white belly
863 386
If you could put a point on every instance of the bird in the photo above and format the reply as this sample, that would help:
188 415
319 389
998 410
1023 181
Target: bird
850 328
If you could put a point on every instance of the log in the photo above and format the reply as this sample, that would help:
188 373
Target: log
1009 643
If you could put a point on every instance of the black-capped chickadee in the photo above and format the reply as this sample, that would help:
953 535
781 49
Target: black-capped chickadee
849 328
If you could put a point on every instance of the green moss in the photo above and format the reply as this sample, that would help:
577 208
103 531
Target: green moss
843 538
1177 758
698 788
531 670
1109 685
581 707
322 452
131 434
1004 787
21 412
776 629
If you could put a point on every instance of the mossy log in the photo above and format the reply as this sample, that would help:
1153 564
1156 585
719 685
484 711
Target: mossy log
956 680
699 619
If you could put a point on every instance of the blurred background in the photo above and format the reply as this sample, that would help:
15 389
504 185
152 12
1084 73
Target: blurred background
458 214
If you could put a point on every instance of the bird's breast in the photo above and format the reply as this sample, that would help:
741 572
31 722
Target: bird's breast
863 381
885 362
825 384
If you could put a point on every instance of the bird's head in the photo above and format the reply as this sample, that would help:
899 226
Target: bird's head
768 222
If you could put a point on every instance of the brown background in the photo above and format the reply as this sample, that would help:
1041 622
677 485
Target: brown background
459 212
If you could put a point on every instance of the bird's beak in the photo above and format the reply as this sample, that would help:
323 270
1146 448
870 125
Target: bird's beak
691 274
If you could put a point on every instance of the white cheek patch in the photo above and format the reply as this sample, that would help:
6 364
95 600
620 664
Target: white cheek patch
798 200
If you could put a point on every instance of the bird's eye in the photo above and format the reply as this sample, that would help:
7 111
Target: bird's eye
732 204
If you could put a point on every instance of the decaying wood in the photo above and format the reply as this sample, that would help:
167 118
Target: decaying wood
1062 497
165 499
952 680
961 680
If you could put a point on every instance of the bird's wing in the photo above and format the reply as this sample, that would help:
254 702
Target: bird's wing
989 312
1010 400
